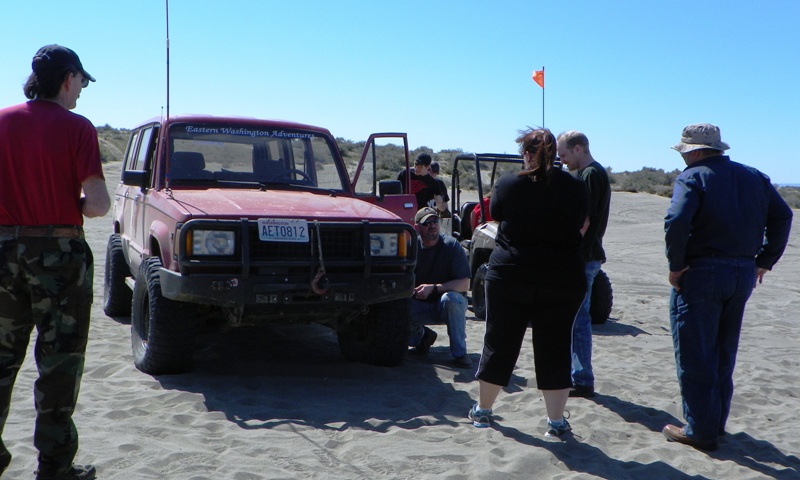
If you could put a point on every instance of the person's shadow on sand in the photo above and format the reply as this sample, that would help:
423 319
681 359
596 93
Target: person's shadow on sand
612 328
583 457
758 455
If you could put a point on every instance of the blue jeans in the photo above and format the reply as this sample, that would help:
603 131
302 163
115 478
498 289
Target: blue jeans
582 373
451 310
706 319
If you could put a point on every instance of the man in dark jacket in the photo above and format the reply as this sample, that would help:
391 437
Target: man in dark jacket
573 148
725 228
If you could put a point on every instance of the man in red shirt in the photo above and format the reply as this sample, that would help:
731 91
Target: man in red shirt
48 156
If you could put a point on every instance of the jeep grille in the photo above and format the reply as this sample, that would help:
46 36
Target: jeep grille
344 249
337 244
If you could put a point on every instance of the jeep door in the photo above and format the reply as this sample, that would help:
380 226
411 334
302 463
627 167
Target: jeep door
375 176
131 192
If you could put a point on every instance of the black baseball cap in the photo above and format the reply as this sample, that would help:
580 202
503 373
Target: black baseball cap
423 159
55 58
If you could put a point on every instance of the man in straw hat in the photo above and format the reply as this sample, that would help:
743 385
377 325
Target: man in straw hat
725 228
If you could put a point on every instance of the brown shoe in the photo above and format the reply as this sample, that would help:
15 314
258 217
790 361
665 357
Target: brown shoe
678 434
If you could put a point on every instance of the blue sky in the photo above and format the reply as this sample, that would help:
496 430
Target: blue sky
452 74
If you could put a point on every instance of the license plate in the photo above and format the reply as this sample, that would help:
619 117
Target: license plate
283 230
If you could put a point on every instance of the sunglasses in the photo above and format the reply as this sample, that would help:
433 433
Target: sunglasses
84 81
432 221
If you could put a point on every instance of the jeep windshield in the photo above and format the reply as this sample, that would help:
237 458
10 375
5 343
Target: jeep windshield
233 156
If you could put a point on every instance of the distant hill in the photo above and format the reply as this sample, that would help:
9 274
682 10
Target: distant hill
114 141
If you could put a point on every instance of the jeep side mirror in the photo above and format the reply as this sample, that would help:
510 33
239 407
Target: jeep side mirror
135 178
389 187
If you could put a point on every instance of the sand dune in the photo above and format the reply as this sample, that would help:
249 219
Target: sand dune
279 402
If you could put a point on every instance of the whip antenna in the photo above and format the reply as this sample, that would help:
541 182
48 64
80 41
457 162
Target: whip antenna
167 2
166 120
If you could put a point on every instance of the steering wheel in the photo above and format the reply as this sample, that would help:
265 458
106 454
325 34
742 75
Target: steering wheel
286 173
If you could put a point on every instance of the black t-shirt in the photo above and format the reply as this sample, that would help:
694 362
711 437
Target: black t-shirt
538 238
442 189
424 187
596 179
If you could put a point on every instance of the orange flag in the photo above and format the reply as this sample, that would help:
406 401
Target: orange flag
538 77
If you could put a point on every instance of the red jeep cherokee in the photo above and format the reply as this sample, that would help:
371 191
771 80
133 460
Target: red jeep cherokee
246 220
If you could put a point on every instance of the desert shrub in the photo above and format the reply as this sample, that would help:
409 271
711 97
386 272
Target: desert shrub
351 151
791 195
646 180
113 142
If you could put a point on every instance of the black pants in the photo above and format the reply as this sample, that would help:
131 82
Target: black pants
510 308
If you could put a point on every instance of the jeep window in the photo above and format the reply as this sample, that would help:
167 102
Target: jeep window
384 160
321 155
130 154
144 147
366 178
232 155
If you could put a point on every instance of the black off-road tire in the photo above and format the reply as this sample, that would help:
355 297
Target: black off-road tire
117 296
602 298
379 337
479 292
162 332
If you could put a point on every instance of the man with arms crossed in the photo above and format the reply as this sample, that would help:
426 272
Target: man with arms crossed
573 148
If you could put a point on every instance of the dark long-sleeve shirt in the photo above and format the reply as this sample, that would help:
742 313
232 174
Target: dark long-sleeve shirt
721 208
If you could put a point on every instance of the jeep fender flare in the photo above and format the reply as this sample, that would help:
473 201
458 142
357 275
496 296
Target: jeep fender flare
159 244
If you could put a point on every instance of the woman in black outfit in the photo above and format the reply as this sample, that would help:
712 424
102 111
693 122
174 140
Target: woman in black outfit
536 276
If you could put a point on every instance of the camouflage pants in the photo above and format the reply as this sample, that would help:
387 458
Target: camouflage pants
46 283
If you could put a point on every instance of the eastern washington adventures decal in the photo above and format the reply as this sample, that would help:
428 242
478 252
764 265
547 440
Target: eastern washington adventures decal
245 132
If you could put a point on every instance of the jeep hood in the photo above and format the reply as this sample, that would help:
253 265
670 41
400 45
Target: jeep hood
249 203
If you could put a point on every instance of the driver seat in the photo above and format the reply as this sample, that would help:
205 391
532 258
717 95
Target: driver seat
189 166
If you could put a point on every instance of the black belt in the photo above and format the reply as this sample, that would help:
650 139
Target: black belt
62 231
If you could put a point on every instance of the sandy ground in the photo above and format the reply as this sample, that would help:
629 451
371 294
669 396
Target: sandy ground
280 401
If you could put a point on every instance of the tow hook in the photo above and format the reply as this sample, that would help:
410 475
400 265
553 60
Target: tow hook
320 283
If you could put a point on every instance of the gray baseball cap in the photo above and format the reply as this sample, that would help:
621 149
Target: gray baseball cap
424 213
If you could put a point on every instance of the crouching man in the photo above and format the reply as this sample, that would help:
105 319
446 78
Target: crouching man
442 277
